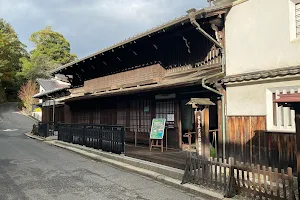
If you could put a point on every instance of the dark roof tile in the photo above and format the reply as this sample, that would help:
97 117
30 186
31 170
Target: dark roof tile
286 71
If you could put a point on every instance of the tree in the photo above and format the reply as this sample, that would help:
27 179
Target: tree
51 50
37 67
11 50
52 44
27 90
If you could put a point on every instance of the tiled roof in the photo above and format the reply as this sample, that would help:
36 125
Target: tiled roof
280 72
200 101
50 86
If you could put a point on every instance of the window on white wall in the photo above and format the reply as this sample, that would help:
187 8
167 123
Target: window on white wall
280 118
295 18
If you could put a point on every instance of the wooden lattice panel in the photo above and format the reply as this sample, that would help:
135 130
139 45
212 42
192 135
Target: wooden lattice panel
141 76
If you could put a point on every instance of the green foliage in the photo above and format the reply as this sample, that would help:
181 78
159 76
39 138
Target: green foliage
17 66
2 95
212 151
11 50
37 67
51 50
52 44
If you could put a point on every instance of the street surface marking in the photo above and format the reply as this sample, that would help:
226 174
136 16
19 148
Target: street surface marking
25 161
9 130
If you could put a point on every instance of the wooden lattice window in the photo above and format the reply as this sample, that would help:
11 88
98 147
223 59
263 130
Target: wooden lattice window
121 114
145 115
283 117
165 108
297 17
80 117
140 115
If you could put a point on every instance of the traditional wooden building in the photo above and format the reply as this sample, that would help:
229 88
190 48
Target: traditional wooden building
52 91
153 75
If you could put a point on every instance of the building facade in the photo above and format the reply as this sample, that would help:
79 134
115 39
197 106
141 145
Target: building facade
153 75
262 62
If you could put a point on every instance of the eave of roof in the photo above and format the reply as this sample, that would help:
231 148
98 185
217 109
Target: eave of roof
48 92
177 82
288 98
201 13
280 72
200 101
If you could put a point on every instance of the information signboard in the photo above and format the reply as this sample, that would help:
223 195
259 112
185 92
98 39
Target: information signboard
157 128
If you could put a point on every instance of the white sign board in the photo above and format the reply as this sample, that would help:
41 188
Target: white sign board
170 117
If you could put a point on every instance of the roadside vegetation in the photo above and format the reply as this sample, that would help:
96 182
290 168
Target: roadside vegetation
19 67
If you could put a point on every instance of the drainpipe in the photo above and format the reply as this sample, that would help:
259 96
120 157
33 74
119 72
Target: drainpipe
53 113
191 14
222 98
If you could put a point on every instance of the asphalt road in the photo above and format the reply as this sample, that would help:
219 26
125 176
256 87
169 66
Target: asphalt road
30 169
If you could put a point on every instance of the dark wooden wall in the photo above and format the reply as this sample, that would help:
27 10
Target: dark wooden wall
47 115
248 141
135 114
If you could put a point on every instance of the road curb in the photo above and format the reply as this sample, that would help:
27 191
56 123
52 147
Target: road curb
190 188
30 135
29 116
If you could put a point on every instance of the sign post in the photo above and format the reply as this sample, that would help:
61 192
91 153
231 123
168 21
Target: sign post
198 124
157 133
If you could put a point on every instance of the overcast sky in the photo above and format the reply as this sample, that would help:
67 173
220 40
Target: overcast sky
91 25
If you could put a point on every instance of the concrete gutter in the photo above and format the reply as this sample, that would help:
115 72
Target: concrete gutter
168 175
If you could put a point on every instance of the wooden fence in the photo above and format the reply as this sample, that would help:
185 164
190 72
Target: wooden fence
107 138
46 129
234 178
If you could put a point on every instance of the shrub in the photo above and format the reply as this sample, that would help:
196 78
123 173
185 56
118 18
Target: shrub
27 90
37 110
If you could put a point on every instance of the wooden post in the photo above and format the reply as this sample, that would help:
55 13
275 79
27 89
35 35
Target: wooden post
297 121
166 138
178 122
205 131
202 131
53 111
161 145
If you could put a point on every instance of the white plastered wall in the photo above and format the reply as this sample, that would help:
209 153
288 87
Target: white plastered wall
255 99
260 35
